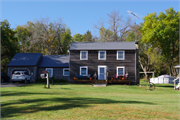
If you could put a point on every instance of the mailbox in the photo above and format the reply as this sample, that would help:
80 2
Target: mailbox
43 76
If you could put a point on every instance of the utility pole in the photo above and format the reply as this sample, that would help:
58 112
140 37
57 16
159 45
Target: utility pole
134 23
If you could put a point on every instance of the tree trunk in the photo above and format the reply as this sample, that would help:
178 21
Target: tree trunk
145 71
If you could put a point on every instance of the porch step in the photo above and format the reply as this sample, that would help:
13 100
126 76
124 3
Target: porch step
99 85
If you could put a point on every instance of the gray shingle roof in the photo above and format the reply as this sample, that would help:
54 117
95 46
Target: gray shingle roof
54 61
25 59
102 46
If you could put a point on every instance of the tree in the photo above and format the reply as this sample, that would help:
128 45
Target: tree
150 59
77 38
47 37
9 44
105 34
117 25
87 37
162 32
22 34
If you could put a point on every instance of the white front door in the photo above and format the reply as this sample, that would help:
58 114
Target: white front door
101 72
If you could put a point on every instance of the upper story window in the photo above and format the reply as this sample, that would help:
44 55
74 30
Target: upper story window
50 70
84 70
83 55
102 55
65 71
120 55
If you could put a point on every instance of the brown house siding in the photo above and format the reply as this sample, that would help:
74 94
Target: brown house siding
111 62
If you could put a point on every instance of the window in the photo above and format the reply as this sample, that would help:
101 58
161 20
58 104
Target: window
102 55
83 55
50 70
65 71
84 70
120 71
120 55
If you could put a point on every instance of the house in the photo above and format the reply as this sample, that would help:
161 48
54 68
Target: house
57 65
35 63
85 58
102 57
25 62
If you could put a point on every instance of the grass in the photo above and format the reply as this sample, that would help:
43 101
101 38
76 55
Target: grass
82 101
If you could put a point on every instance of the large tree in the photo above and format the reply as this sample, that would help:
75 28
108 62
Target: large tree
77 38
22 34
44 36
9 44
117 25
161 31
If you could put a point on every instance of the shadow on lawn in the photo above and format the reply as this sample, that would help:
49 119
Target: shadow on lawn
15 108
165 86
10 93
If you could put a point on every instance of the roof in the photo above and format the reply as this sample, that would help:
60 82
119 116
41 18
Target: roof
25 59
54 61
164 76
177 66
102 46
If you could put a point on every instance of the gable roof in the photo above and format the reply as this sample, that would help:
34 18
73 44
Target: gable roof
102 46
54 61
177 66
25 59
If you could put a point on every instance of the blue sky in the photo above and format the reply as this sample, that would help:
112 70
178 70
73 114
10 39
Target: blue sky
78 15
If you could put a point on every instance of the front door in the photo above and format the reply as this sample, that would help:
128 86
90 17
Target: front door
101 72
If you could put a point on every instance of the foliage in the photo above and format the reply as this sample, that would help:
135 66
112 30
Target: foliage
87 37
162 32
22 34
9 44
106 35
43 36
118 27
77 38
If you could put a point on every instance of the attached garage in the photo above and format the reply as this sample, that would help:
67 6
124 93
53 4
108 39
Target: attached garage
25 62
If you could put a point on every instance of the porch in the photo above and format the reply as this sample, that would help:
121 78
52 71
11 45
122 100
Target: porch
109 80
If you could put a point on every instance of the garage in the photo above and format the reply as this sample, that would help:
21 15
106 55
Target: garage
25 62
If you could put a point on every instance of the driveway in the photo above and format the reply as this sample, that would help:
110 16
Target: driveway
12 84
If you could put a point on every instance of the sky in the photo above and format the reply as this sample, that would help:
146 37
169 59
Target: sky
79 15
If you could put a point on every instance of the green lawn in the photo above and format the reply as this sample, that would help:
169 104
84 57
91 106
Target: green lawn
82 101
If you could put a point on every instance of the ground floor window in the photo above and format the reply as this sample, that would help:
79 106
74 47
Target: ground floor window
50 70
120 70
65 71
84 70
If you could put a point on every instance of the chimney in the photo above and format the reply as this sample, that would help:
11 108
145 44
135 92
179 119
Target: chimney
136 43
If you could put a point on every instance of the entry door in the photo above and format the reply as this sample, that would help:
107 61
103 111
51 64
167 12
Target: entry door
101 72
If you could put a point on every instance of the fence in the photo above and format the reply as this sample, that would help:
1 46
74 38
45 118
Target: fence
163 80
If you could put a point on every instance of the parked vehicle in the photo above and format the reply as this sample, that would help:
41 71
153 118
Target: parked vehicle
21 76
4 77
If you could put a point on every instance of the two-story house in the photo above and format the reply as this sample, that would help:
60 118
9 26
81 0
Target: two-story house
102 57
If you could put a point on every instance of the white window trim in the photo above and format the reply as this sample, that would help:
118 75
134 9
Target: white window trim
99 55
64 71
81 55
123 55
120 67
86 70
51 71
